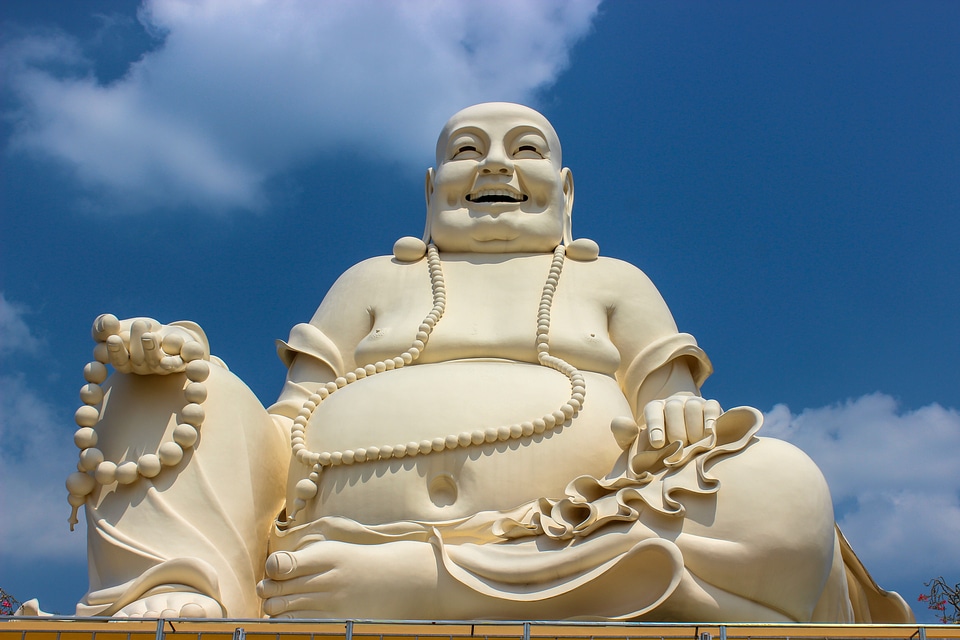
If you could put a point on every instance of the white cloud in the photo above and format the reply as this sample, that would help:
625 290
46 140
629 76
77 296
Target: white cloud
895 480
35 459
15 334
241 90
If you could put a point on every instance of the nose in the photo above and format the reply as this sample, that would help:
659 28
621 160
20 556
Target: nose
496 161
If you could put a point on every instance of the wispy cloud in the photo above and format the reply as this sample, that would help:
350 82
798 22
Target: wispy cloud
894 478
15 334
35 457
239 91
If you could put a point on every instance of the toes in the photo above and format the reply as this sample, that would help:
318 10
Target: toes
280 564
192 610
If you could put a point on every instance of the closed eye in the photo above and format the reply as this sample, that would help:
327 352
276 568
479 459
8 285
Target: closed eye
467 151
527 151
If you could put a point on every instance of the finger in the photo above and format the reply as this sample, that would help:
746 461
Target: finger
653 416
673 421
171 363
285 604
151 350
312 560
119 357
711 411
693 417
317 583
104 326
137 329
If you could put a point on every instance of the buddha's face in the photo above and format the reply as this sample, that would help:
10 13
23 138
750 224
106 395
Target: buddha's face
499 186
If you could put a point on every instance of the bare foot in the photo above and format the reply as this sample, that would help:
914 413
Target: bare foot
328 579
174 604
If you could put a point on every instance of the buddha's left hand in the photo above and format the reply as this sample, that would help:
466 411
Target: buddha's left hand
681 417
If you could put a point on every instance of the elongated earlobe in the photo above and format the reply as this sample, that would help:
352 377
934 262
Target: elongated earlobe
567 177
581 249
428 193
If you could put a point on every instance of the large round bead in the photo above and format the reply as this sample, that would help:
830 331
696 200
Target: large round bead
126 472
306 489
193 352
85 437
91 458
192 413
197 370
185 435
95 372
91 393
149 465
195 392
100 353
409 249
80 483
87 416
106 472
170 454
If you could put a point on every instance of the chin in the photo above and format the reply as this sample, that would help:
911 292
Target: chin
516 245
485 242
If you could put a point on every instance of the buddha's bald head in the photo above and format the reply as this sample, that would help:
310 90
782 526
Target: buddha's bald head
484 114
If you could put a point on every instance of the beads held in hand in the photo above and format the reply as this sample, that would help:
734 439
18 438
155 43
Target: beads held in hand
93 468
144 346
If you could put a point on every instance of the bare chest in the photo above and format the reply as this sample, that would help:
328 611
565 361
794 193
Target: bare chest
491 312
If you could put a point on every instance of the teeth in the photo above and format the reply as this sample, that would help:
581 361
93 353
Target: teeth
496 193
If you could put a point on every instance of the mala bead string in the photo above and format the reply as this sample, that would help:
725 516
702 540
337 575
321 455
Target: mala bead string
307 488
92 468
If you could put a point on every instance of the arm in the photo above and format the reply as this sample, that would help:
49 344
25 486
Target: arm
661 369
323 349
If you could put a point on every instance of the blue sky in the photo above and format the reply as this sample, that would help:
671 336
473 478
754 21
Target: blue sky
787 173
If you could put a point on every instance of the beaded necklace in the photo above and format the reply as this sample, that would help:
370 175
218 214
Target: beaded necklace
306 489
93 469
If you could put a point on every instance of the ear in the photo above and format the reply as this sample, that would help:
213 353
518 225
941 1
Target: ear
428 193
567 177
428 185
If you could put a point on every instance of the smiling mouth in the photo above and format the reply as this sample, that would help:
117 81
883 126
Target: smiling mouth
486 196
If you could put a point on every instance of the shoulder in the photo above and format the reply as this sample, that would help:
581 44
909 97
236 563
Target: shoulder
375 273
372 266
620 282
610 268
360 285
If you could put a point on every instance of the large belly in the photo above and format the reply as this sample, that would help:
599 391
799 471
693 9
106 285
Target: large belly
426 402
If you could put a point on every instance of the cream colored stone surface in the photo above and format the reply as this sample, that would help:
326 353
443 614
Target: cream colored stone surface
493 427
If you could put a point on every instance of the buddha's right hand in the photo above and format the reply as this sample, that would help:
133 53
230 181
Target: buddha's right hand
144 346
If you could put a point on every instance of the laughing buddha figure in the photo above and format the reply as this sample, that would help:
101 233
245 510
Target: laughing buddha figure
493 423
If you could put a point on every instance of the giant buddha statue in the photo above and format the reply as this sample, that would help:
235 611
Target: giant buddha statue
495 422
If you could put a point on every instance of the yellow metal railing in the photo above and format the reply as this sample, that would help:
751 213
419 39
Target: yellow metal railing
62 628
